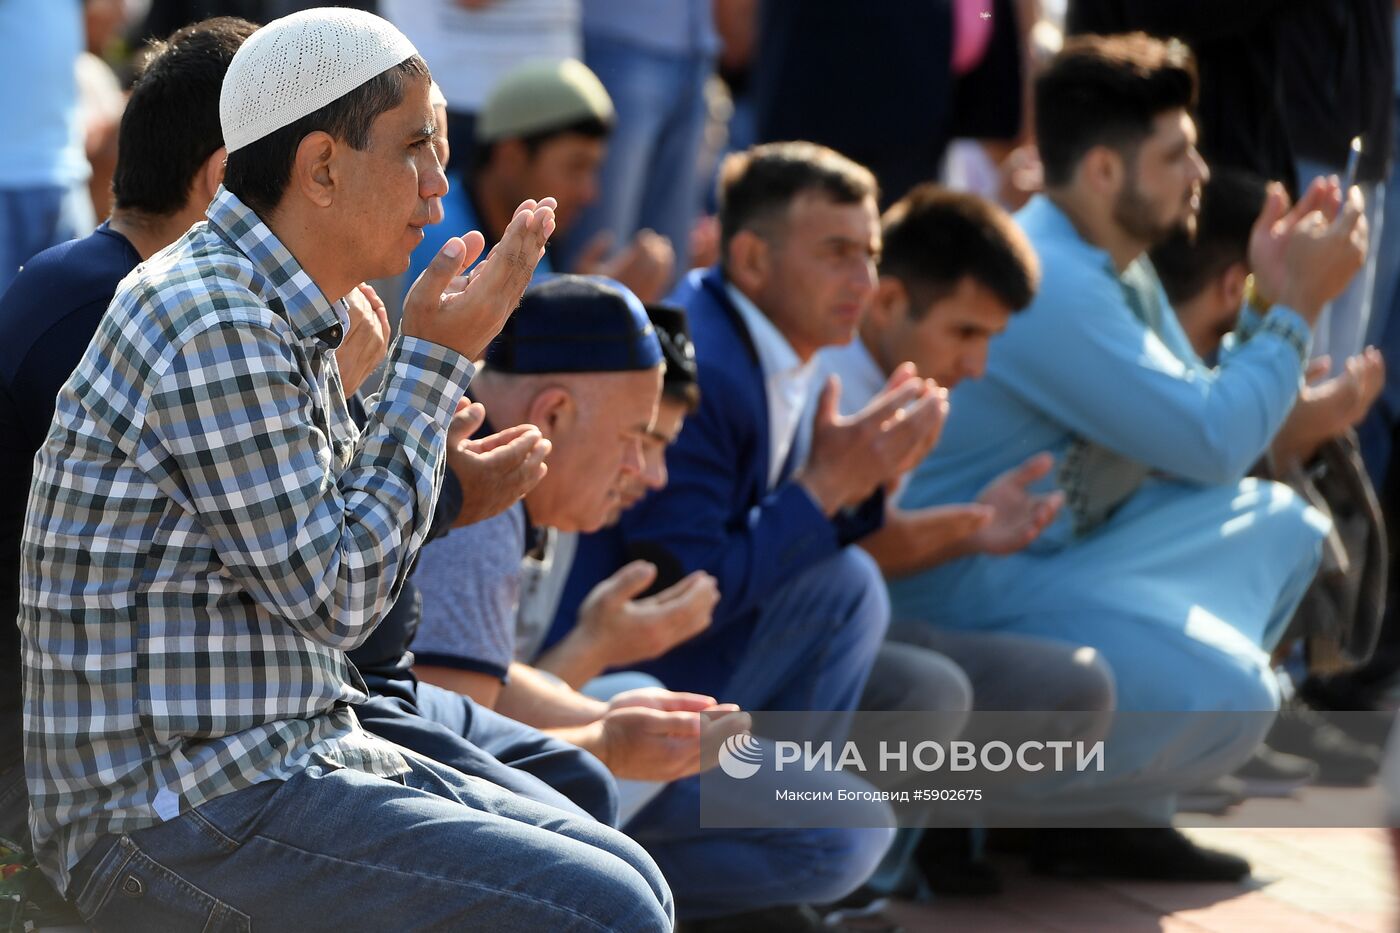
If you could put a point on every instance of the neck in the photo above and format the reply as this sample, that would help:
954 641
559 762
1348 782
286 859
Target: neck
1095 226
869 336
1189 312
148 234
493 213
320 257
804 352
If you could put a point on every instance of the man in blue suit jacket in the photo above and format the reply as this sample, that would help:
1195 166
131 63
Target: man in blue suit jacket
768 486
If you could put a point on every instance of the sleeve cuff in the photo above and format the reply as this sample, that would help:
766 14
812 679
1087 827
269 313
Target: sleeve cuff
427 377
457 663
1289 326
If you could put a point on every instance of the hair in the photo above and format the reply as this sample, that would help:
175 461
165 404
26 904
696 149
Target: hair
170 126
1230 203
934 238
591 127
760 184
686 391
1106 91
260 171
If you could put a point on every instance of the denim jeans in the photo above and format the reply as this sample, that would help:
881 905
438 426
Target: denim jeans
449 728
336 849
648 179
33 219
813 647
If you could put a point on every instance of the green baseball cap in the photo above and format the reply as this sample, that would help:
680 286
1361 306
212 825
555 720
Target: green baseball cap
542 96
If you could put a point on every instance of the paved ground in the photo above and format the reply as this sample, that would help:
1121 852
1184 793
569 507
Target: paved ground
1306 880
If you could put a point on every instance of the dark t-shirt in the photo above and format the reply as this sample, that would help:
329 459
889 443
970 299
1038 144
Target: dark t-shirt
47 319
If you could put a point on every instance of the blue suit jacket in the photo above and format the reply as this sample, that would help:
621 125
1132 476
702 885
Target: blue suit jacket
716 513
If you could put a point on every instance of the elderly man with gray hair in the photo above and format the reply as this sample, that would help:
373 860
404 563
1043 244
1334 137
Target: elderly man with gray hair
209 533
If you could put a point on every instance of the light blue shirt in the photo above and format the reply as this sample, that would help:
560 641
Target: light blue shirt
1098 371
40 41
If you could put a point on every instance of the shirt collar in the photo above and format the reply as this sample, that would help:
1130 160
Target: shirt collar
1042 219
304 306
775 354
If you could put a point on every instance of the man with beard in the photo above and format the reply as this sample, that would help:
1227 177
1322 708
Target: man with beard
1176 569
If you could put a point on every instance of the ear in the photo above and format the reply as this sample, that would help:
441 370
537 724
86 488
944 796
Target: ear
1231 285
554 410
210 176
1102 169
749 262
314 168
890 304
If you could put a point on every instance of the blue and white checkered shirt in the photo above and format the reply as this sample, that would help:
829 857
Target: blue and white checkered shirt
208 533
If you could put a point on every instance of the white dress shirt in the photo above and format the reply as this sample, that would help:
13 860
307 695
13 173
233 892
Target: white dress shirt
787 381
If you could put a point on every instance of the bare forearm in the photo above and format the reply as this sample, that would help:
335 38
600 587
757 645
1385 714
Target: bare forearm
575 660
911 541
535 699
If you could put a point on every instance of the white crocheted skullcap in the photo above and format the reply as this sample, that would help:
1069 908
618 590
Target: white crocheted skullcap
298 64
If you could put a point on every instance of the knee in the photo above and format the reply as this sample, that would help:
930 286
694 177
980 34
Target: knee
843 860
855 572
631 898
1090 686
908 677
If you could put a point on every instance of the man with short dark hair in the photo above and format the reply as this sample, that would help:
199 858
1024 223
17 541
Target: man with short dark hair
1180 572
1206 277
545 127
211 532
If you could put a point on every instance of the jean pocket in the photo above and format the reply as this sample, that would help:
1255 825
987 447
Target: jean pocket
132 891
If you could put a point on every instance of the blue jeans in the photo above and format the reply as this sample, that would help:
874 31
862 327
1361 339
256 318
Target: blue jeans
33 219
449 728
812 649
337 849
648 179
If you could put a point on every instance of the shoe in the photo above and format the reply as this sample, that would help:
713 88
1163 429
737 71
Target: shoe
1143 854
1341 760
1270 773
946 859
787 918
863 909
1214 798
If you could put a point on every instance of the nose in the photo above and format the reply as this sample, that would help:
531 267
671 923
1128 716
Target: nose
656 474
633 463
1202 169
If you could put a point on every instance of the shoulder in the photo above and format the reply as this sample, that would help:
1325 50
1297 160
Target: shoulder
72 280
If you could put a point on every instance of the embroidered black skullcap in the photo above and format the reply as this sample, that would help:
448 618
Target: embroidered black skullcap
576 324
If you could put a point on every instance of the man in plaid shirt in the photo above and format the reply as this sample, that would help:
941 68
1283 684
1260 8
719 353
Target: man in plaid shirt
208 533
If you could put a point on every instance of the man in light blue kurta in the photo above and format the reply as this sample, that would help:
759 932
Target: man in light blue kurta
1181 572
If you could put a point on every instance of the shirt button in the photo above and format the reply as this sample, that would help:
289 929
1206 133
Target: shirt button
132 886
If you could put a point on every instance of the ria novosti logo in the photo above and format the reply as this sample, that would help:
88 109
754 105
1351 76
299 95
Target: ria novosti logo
740 756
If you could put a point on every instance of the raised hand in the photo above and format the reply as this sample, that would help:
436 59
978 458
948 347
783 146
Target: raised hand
494 472
1019 515
1305 255
623 629
1329 409
366 342
852 456
465 314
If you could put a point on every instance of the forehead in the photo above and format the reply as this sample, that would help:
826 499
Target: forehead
1171 129
413 112
815 215
971 304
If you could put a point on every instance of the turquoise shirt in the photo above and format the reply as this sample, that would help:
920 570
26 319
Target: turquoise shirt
1098 372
